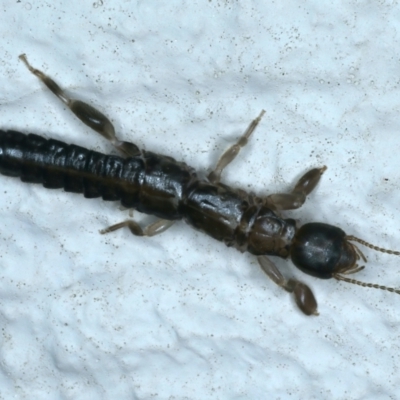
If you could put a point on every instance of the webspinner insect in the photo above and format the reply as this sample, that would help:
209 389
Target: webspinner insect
170 190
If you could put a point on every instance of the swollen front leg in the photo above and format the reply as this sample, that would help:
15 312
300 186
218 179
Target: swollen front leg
297 197
303 295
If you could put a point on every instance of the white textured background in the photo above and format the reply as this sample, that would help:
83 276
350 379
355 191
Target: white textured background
180 316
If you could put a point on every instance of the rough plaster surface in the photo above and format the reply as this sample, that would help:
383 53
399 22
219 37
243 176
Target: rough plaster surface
180 316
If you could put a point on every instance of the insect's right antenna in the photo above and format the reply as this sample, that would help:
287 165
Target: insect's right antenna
365 284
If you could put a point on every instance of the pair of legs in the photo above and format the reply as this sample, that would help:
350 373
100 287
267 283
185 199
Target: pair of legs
284 201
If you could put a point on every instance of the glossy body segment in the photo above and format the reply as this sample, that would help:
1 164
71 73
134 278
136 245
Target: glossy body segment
56 165
321 250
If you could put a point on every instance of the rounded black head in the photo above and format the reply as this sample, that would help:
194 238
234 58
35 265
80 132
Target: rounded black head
321 250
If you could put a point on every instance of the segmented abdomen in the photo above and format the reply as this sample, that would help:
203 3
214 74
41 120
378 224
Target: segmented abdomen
150 183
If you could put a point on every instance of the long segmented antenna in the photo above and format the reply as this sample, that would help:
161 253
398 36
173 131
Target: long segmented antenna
365 284
340 277
371 246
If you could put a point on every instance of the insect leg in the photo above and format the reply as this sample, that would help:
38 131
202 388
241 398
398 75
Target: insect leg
153 229
229 155
85 112
303 295
297 197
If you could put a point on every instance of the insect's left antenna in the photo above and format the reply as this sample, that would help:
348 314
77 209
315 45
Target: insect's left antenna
373 247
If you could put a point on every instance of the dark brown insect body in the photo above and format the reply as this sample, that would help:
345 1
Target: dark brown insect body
171 190
152 184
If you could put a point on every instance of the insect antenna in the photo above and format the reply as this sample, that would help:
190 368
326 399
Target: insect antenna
365 284
340 277
371 246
